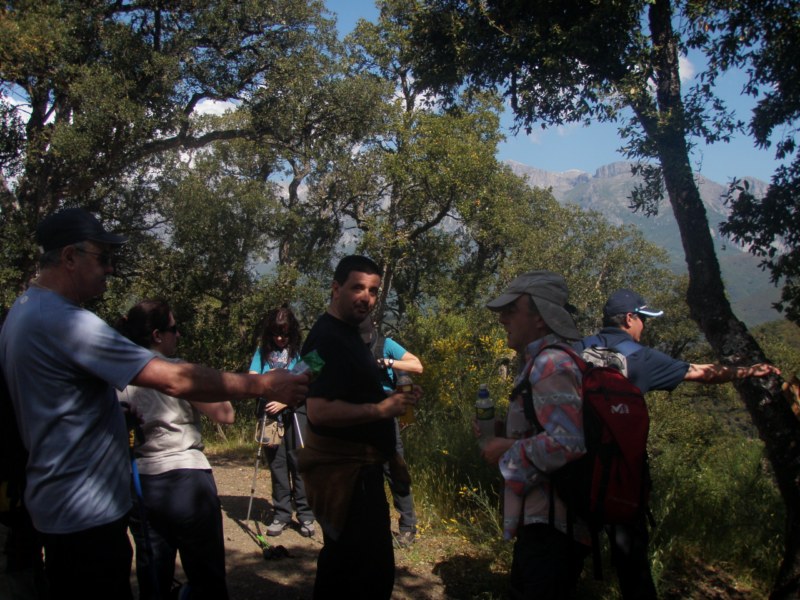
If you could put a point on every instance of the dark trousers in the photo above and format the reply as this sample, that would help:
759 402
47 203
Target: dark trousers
94 564
546 564
23 553
401 495
631 560
182 515
359 564
286 481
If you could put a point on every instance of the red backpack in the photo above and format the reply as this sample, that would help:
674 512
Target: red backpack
610 484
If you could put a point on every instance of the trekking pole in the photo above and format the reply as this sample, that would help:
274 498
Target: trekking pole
148 544
297 429
262 425
267 551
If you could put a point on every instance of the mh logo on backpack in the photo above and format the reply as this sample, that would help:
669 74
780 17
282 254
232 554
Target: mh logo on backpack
620 409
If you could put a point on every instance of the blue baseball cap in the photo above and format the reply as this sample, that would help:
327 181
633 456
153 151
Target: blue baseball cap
627 301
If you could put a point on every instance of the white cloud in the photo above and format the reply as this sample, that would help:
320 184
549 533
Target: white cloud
686 68
213 107
535 136
565 130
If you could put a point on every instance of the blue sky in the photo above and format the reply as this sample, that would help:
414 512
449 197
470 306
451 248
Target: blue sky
587 148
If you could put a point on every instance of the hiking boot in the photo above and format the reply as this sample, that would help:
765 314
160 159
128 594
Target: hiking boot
307 529
405 538
276 528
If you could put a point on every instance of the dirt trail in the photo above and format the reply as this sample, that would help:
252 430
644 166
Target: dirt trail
251 577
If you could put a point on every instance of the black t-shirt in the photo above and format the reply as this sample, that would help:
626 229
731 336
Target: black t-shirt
350 374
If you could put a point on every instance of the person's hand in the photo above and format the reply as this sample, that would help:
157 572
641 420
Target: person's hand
397 403
499 428
763 369
283 386
494 449
273 408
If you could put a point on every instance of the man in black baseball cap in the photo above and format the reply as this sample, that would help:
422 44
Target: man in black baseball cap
73 225
63 365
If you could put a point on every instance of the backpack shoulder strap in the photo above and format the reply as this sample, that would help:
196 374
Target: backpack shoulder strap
592 340
627 348
378 345
564 347
524 386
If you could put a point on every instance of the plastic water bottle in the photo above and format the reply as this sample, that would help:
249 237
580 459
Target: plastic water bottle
404 384
484 414
311 363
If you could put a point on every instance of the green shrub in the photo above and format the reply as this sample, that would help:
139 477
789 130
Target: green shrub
714 496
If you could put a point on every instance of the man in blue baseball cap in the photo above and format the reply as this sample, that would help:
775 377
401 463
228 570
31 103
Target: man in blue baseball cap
624 318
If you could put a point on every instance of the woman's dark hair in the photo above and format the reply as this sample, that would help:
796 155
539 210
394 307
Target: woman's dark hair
280 320
142 319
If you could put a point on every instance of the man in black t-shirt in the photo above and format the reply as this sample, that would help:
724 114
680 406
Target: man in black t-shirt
350 436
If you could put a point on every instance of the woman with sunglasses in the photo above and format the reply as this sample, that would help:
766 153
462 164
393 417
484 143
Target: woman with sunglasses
181 506
280 349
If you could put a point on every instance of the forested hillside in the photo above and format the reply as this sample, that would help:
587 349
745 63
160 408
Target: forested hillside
608 191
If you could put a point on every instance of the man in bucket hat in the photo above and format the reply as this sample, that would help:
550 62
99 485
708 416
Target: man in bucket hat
62 363
624 317
547 562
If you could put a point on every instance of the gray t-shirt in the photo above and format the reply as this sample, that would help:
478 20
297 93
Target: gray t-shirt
62 364
171 428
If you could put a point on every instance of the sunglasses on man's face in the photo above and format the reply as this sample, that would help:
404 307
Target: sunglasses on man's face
105 259
171 328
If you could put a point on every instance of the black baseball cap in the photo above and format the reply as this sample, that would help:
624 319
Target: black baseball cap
73 225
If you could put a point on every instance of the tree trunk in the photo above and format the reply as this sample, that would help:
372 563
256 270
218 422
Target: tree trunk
777 426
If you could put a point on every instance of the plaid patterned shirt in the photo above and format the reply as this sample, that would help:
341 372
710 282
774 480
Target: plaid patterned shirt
556 392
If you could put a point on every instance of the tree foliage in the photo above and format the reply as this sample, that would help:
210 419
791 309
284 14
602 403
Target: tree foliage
760 37
91 88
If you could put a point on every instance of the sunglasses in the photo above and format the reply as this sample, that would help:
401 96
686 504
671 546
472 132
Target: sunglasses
172 329
105 259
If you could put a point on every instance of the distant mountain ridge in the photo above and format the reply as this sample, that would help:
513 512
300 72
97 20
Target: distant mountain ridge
607 191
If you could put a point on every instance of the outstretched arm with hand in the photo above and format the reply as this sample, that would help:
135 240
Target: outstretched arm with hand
198 383
715 373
